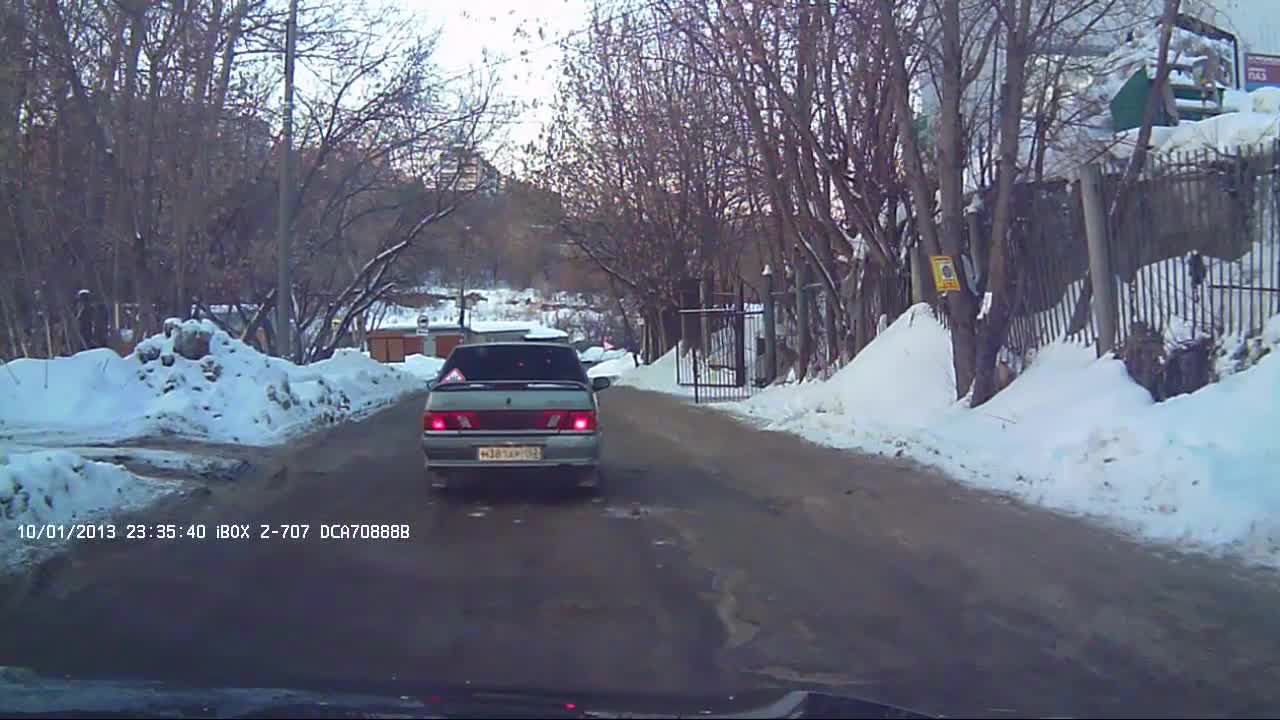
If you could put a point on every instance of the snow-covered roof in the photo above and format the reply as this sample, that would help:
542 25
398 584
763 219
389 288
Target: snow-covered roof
501 326
546 333
397 325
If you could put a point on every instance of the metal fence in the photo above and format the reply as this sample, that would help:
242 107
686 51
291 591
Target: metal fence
1196 249
883 297
1048 256
787 330
721 352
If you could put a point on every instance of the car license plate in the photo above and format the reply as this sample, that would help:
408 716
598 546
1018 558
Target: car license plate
510 454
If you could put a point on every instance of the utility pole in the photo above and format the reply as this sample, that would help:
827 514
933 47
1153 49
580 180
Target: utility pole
284 296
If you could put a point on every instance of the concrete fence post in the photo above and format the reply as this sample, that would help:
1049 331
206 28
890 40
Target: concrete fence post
1105 311
802 317
770 329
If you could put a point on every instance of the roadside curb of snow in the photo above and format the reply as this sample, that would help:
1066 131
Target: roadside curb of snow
57 489
918 449
229 392
1073 435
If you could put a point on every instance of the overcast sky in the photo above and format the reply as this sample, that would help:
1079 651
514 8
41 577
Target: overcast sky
484 34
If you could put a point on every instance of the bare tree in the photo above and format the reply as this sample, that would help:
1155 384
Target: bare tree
137 149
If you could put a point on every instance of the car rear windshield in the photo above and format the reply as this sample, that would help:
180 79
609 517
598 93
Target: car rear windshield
515 362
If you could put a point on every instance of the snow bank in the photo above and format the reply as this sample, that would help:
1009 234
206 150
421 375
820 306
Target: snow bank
1254 123
58 488
421 366
1073 433
1225 133
597 354
616 368
658 376
901 380
199 383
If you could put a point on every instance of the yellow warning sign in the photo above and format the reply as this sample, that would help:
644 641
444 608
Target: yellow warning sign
944 273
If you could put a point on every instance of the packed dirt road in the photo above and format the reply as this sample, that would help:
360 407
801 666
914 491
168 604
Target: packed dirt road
715 558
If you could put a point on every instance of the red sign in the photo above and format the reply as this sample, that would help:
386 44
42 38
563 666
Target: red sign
1261 71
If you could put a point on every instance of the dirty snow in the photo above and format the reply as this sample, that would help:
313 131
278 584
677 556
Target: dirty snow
233 395
59 488
146 460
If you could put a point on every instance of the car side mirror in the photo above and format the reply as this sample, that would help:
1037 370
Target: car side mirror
431 385
600 383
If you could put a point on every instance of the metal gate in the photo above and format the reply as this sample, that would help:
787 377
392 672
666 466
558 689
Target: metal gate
721 351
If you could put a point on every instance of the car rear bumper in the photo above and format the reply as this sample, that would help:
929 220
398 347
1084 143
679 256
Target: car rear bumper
460 452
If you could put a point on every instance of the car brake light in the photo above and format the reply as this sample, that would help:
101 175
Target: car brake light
582 421
439 421
572 420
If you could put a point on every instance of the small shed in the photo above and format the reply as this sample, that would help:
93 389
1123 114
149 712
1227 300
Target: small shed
392 344
395 341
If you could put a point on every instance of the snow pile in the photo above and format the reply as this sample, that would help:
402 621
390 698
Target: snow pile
1264 101
658 376
1073 433
899 382
1228 132
597 354
196 382
58 488
1254 124
617 367
421 366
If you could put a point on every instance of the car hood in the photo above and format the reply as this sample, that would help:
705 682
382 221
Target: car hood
26 693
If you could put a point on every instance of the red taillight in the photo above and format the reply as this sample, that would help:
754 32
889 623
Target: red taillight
439 421
581 421
571 420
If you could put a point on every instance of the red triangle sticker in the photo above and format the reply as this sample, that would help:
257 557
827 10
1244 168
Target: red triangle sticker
455 376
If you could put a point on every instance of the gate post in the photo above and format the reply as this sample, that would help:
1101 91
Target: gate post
1105 312
740 344
705 290
802 317
696 380
770 330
